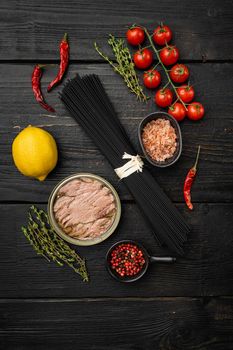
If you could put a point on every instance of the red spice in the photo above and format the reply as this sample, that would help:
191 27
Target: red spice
64 61
127 260
36 77
190 177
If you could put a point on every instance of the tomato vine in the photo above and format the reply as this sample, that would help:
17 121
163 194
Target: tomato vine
156 51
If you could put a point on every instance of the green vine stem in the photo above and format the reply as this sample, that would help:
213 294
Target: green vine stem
48 244
164 68
124 66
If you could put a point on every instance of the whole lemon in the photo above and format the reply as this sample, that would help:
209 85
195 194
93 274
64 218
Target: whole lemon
34 152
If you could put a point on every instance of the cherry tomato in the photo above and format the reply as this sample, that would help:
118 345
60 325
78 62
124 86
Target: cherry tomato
152 79
177 111
179 73
143 58
162 35
169 55
135 36
195 111
163 97
186 93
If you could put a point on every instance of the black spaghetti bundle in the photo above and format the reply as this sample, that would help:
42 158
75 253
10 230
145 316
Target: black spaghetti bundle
88 103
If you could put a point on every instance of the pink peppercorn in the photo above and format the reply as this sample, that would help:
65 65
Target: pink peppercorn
127 259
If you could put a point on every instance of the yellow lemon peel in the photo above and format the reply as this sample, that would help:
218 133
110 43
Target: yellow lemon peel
34 152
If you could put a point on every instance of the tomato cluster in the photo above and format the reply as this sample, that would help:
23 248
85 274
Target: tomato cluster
178 73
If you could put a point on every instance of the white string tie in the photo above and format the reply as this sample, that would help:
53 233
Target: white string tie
135 163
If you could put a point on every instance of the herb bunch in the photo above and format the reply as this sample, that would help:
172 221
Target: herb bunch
47 243
124 66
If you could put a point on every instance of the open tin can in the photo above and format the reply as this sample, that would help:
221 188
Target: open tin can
58 228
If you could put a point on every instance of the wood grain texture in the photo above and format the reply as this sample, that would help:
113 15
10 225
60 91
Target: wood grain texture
163 324
205 270
177 307
77 152
32 30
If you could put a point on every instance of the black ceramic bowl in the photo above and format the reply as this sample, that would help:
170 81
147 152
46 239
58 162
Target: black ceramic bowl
148 259
174 123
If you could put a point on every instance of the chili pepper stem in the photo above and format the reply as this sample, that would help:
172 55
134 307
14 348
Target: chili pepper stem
49 65
65 37
197 158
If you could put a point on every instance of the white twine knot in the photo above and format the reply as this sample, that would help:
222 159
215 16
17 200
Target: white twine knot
134 164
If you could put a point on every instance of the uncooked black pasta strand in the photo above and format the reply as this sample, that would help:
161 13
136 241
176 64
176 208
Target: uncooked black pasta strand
88 103
94 114
160 202
161 218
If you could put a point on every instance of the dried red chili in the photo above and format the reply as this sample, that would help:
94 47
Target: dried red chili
64 61
36 77
189 181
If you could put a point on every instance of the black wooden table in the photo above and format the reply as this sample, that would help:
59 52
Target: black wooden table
185 306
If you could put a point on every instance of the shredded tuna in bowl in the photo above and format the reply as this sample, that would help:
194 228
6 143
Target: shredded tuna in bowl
84 209
160 139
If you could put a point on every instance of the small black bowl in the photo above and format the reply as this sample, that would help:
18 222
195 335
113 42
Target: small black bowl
174 123
148 259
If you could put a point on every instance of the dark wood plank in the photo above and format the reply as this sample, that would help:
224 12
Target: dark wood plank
206 268
77 152
181 323
32 30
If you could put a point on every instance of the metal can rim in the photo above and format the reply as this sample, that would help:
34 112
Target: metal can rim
58 229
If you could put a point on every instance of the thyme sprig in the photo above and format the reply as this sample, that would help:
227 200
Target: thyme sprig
48 244
124 66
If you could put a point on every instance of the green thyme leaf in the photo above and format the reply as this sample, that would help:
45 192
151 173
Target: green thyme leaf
48 244
124 66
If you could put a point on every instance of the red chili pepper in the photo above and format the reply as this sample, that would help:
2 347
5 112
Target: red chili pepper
189 181
64 61
36 77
